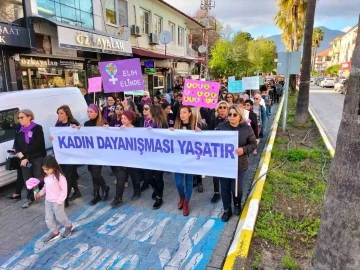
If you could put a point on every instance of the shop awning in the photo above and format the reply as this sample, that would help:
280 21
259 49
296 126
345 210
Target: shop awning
150 54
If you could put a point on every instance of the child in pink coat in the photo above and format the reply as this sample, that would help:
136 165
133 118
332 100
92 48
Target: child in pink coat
55 189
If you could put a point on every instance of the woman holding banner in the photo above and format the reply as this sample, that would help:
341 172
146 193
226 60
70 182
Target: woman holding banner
158 120
247 144
185 120
128 117
96 120
219 117
170 116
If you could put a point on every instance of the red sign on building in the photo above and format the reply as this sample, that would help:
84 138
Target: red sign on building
345 66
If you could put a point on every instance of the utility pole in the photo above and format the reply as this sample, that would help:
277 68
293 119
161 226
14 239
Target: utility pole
206 5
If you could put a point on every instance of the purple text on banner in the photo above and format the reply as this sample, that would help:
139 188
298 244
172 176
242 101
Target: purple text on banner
122 75
201 93
94 85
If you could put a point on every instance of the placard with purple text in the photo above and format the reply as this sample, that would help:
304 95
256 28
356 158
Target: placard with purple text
121 75
201 93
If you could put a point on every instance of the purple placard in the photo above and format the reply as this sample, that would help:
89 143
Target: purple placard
121 75
94 85
201 93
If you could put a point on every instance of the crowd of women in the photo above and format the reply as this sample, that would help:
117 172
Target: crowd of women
243 114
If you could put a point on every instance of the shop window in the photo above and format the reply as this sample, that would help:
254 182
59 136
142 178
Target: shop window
11 10
145 21
172 31
180 36
110 11
72 12
8 121
158 82
123 13
157 25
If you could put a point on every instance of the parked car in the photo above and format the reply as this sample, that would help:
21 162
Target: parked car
327 82
339 85
43 103
312 79
318 81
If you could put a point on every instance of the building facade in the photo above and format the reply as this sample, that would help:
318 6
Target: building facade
323 61
65 40
348 42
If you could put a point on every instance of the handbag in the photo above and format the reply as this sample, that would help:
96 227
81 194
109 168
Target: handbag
12 162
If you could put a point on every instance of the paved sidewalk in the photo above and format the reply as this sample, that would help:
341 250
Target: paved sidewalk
131 236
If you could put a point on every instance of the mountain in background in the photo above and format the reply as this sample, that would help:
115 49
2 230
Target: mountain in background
329 35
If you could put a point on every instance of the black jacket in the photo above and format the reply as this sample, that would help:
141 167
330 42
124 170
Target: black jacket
90 123
36 146
254 123
205 115
247 141
215 121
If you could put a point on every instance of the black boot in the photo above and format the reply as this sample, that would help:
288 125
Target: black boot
136 195
144 186
116 201
74 196
105 193
96 198
237 205
153 196
226 215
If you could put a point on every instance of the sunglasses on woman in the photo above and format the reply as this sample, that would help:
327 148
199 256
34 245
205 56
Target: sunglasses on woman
222 107
146 108
232 115
229 97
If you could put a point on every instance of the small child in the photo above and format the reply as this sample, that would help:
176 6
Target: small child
55 188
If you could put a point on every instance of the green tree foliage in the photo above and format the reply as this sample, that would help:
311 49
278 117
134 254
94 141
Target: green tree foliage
242 56
333 70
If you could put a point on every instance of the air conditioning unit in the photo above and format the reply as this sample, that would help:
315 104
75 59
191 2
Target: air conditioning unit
135 30
154 39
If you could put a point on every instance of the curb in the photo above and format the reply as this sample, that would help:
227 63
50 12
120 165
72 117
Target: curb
323 135
240 245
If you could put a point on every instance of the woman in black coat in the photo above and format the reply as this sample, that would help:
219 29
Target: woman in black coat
246 145
29 145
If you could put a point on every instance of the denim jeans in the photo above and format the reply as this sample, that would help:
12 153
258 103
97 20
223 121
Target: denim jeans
179 181
228 190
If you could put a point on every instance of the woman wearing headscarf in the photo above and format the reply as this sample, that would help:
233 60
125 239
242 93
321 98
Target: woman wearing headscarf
29 145
246 145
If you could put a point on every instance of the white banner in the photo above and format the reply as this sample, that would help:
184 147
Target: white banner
209 153
251 83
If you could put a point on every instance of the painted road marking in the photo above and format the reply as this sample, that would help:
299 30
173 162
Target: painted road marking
127 237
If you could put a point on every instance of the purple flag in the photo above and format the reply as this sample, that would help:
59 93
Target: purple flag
121 75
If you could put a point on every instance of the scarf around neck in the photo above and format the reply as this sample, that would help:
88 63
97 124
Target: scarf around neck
27 131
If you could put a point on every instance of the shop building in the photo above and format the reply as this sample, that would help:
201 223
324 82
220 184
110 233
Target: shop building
171 63
15 38
70 39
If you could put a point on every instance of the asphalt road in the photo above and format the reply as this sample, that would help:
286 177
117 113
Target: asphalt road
131 236
327 106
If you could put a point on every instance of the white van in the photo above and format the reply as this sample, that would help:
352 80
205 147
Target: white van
43 103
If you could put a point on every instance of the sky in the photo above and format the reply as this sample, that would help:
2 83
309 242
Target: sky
256 16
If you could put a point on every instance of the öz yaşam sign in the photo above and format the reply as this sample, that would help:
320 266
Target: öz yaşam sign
201 93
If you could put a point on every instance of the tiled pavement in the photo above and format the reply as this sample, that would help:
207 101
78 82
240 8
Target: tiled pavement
131 236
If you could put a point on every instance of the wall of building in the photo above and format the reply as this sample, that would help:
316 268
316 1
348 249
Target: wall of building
348 45
157 9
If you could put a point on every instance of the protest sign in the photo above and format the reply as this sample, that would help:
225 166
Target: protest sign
261 80
235 87
231 78
94 85
201 93
134 93
202 153
251 83
122 75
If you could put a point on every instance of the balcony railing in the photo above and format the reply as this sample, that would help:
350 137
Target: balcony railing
191 53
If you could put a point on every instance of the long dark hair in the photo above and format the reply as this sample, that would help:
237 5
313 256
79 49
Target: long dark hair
50 162
158 115
192 119
68 113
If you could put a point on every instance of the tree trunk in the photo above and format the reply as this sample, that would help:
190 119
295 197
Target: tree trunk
337 245
301 116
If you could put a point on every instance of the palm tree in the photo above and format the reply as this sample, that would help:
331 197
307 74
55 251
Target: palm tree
301 116
317 38
337 245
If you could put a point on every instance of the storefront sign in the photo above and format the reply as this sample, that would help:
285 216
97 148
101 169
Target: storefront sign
345 66
14 36
37 62
182 69
82 40
121 75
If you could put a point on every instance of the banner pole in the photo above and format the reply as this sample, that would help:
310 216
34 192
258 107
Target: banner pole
94 98
197 116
